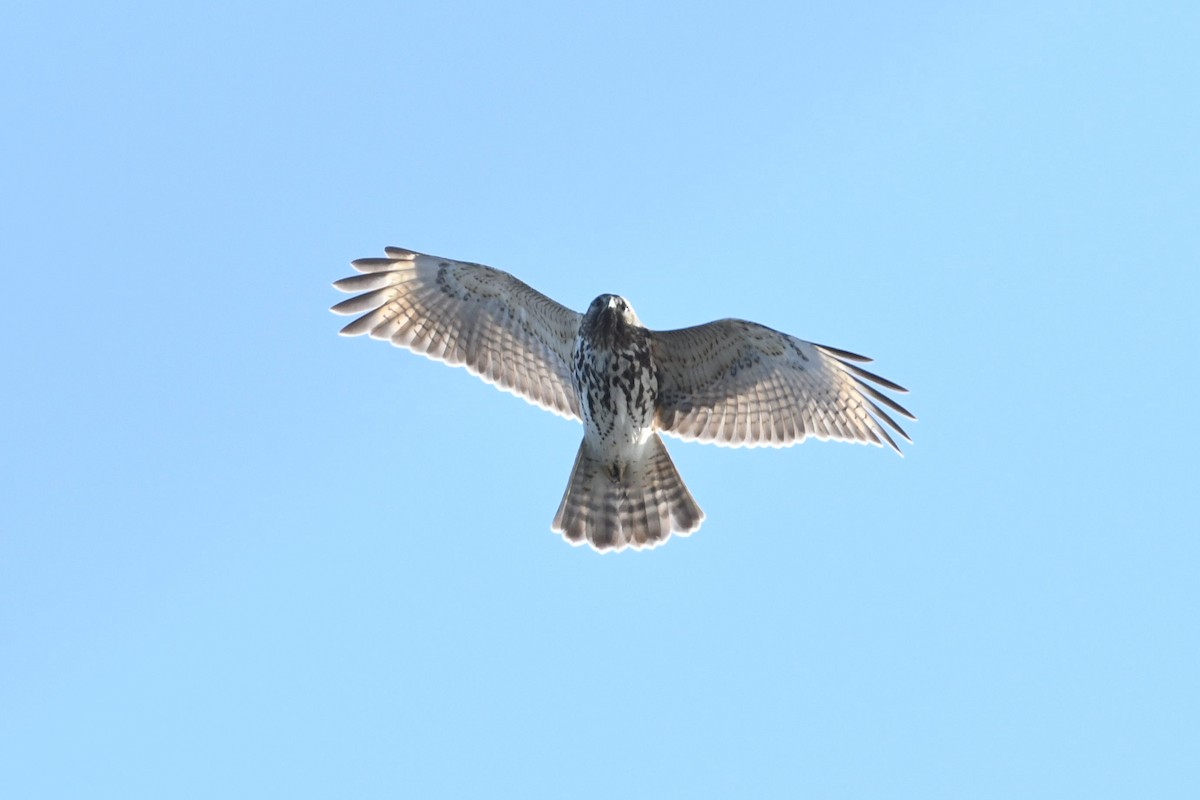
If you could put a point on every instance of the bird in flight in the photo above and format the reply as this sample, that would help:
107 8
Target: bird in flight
730 382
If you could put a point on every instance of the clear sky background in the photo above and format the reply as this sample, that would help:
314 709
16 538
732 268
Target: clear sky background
244 557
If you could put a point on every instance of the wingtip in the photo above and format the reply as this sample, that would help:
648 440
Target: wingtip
844 354
355 328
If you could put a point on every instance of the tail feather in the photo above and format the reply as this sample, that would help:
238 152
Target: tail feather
612 505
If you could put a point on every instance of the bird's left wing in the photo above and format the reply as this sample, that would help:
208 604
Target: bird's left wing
741 384
471 316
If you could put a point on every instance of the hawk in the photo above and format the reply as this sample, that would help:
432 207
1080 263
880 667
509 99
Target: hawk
730 382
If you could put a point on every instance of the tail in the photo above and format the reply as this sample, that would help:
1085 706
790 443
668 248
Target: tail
614 505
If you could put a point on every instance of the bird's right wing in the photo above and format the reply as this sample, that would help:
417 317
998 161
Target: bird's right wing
471 316
741 384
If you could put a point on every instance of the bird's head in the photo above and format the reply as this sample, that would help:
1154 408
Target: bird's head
607 309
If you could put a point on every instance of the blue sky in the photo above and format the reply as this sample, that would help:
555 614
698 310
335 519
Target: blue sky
245 557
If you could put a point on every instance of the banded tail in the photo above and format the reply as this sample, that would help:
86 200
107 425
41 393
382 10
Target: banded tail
617 504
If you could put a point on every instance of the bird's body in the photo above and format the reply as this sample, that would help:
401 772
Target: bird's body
624 489
729 382
612 370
